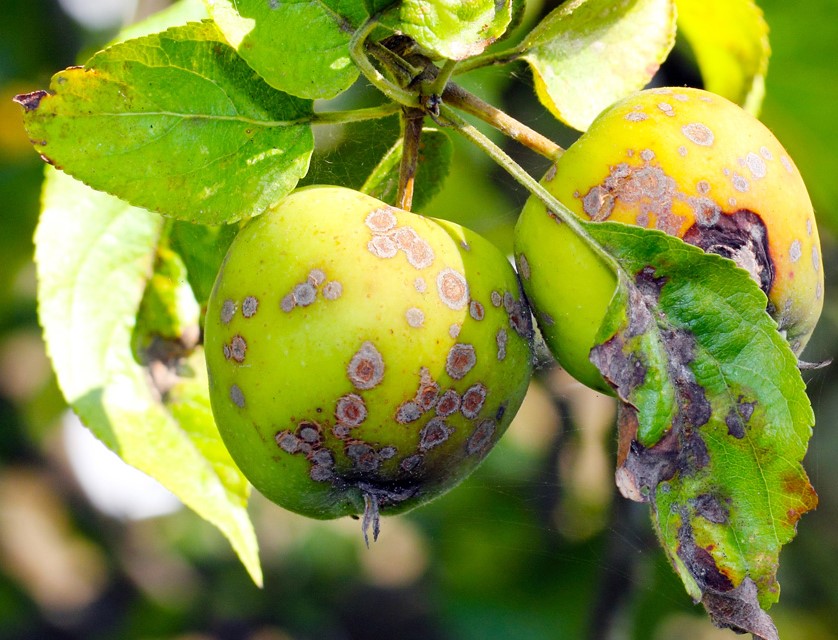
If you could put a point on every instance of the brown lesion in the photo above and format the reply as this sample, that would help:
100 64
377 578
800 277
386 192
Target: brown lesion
741 236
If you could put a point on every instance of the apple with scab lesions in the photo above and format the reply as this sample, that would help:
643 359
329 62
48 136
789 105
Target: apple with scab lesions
692 164
362 359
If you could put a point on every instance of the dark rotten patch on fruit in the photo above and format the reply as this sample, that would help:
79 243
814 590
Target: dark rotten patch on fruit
742 237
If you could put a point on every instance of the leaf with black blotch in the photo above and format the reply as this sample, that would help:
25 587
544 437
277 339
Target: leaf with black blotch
176 123
714 419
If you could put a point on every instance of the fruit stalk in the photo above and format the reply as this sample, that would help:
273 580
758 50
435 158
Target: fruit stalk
527 181
411 135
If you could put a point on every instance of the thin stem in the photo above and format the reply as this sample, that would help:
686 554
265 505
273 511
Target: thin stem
359 56
403 72
442 78
489 59
411 134
531 184
456 96
355 115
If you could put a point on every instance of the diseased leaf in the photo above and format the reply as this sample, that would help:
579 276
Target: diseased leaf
730 42
587 54
714 419
453 29
176 123
435 153
299 47
96 257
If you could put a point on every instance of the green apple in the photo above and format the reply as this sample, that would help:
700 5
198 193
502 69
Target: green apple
362 358
689 163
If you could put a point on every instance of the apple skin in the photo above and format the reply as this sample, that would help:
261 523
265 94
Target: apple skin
692 164
360 352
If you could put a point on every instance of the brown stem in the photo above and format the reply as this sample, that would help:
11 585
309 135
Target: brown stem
412 119
458 97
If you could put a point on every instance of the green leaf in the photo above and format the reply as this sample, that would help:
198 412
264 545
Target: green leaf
176 123
450 28
714 419
435 153
730 41
95 256
587 54
299 47
202 249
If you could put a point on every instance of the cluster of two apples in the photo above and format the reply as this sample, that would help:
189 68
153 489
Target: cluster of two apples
363 355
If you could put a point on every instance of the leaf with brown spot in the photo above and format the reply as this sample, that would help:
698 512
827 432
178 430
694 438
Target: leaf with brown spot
714 419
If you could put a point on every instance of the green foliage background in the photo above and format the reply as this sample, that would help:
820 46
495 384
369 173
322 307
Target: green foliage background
535 545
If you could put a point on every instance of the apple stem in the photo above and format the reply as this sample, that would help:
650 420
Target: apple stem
456 96
376 78
495 58
411 122
355 115
527 181
371 518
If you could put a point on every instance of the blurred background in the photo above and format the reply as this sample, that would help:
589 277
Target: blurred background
536 545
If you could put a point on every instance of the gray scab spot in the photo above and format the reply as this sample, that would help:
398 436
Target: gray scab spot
682 151
809 227
636 116
703 187
816 259
236 350
461 359
795 251
699 134
647 155
382 247
237 396
480 439
501 339
366 369
523 266
787 164
551 173
420 285
415 317
667 109
449 403
411 462
766 153
756 165
332 290
350 410
387 452
304 294
381 220
228 310
496 299
473 400
316 277
454 331
288 442
309 432
419 253
818 293
452 288
740 183
428 392
408 412
287 303
318 472
249 306
598 203
476 310
363 456
434 434
681 97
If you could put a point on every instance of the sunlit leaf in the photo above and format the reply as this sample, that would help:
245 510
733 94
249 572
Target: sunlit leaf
714 419
730 41
587 54
175 123
96 257
450 28
300 47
